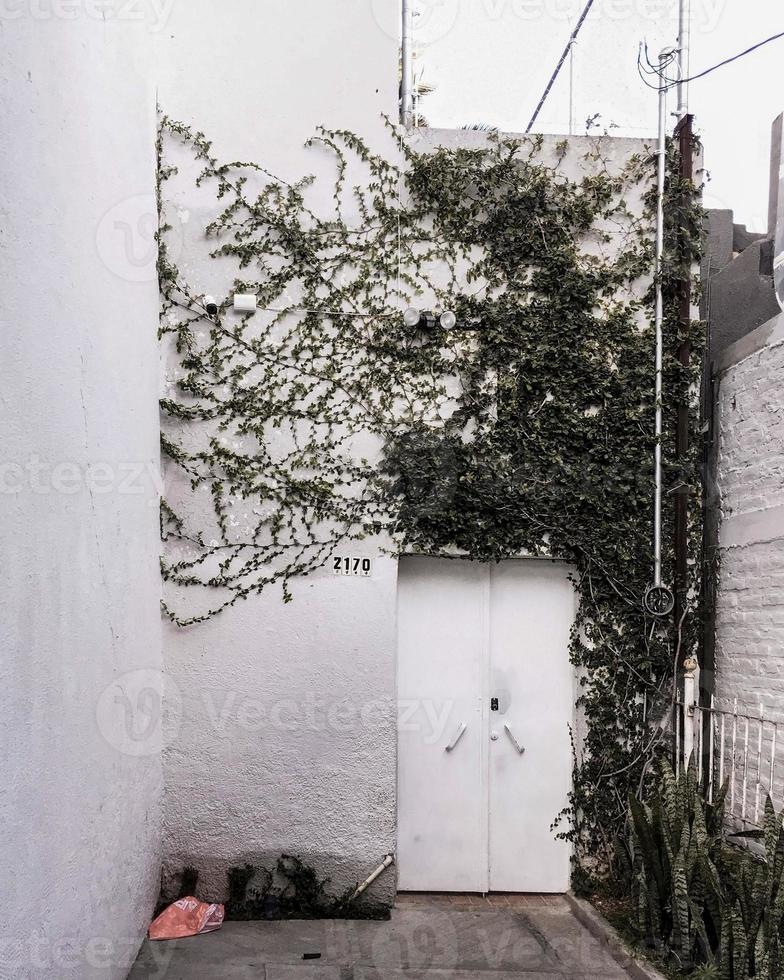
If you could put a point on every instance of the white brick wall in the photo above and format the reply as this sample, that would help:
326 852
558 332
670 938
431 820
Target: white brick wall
750 475
751 420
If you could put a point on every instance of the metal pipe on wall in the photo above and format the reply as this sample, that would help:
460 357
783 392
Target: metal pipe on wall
684 17
661 155
407 65
683 133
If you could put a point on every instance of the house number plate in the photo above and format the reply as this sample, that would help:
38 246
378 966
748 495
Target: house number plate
352 565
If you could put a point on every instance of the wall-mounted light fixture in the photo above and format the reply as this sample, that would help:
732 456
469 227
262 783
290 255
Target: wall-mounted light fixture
427 319
244 303
411 317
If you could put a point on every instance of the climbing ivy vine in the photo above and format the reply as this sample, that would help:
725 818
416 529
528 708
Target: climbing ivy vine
526 429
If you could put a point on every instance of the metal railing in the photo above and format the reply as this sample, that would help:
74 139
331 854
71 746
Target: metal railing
731 742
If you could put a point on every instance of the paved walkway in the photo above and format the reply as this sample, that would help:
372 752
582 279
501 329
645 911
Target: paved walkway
428 938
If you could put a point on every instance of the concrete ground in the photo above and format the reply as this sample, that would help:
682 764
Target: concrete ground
428 938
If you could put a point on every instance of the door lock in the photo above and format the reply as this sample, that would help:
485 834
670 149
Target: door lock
494 704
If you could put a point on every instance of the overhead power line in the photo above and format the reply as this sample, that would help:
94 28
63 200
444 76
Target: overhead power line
707 71
562 59
773 37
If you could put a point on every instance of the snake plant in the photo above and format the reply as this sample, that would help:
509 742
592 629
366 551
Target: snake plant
718 910
671 851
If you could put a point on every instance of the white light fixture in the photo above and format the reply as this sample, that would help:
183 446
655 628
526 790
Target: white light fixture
447 320
244 303
411 317
210 306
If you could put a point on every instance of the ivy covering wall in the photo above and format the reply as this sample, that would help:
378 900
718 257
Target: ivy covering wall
526 429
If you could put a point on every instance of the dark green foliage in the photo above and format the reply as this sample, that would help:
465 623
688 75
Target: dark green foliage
702 902
526 429
244 901
754 906
292 891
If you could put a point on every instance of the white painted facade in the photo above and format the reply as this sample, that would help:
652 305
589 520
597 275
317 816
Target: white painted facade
80 640
281 726
287 741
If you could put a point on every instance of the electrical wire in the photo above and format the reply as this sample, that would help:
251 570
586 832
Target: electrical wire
675 81
759 44
335 313
642 71
561 60
652 69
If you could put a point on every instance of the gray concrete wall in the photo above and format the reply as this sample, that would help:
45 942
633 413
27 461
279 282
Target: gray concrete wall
79 622
741 295
750 482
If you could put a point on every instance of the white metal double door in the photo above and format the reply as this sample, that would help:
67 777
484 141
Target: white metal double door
486 696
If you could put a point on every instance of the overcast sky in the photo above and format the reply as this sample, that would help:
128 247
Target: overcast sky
490 61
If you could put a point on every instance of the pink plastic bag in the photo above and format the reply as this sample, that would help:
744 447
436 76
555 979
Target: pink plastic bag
186 917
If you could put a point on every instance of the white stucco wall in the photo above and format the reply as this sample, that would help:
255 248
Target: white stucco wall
287 737
79 806
750 598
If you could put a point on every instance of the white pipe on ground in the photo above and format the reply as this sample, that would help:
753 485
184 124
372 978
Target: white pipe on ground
407 66
389 859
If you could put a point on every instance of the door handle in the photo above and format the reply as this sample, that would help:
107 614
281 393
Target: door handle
520 748
456 737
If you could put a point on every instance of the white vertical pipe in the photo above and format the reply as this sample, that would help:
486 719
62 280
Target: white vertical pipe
711 746
759 766
734 743
407 65
678 712
773 758
745 767
688 712
684 16
721 750
658 316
